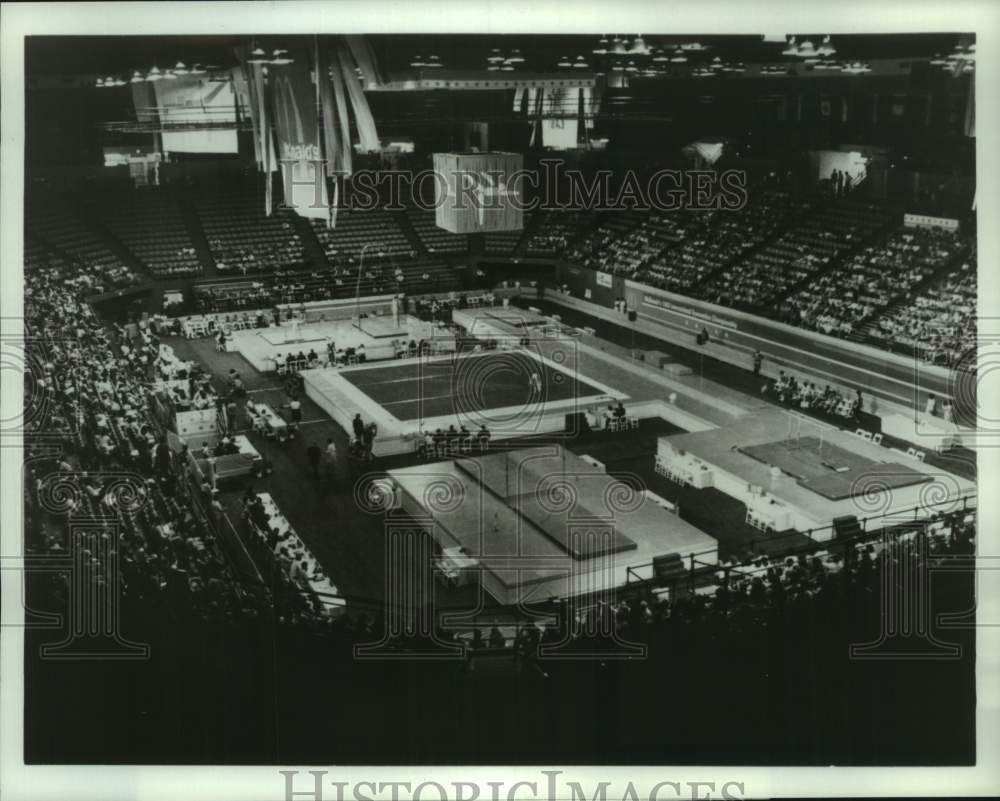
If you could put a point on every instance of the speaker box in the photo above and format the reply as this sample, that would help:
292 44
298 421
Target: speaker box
846 526
668 567
576 423
870 422
633 316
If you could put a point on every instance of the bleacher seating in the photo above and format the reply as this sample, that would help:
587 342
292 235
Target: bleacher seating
95 382
54 223
504 243
436 240
264 292
619 244
808 248
939 323
866 283
149 224
355 229
676 250
242 238
715 239
556 231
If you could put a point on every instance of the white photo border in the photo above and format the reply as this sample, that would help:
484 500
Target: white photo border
108 783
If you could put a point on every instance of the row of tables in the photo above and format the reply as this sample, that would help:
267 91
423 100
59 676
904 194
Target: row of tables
765 510
769 512
295 556
686 468
270 417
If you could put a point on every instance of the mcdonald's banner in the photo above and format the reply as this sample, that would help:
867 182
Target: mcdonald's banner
478 192
294 102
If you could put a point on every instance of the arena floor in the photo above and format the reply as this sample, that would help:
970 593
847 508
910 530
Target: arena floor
421 389
834 472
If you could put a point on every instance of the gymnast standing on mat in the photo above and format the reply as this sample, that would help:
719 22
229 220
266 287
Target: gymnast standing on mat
536 383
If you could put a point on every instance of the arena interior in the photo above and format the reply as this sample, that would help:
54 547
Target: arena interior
319 469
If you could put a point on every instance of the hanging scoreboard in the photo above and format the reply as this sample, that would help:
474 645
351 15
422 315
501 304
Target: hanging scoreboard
478 192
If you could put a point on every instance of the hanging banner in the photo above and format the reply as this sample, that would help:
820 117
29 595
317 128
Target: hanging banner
364 57
253 105
340 98
560 113
333 105
477 192
297 127
367 133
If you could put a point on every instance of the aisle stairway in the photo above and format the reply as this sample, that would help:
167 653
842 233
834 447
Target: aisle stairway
403 221
834 264
197 235
533 219
112 243
866 329
313 250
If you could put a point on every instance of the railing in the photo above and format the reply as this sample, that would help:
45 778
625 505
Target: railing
870 530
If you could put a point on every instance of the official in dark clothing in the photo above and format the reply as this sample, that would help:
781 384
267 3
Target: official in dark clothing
315 456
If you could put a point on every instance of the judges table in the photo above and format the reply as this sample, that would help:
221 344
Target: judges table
274 421
217 469
297 559
768 513
686 468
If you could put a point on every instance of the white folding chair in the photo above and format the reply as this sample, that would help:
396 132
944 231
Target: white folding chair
920 456
877 439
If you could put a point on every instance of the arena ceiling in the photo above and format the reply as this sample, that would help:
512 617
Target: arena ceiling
75 55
